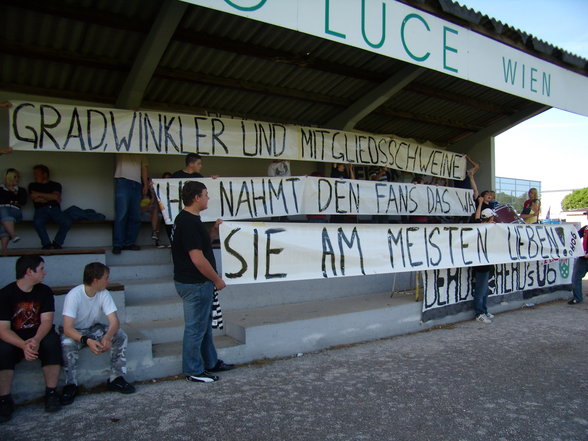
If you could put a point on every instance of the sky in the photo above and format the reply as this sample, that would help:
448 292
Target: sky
553 146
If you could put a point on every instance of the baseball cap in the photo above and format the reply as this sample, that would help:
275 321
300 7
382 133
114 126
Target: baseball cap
487 213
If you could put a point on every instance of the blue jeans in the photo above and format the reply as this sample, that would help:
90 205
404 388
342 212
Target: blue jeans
580 269
46 214
481 292
198 348
127 209
8 214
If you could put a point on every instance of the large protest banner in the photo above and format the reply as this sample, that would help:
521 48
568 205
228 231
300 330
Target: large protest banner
251 198
450 291
265 252
64 128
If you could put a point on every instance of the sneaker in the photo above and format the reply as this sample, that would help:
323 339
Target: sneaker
573 302
160 245
221 366
490 316
52 401
6 408
56 246
116 250
204 377
119 384
15 239
68 394
483 319
49 246
155 235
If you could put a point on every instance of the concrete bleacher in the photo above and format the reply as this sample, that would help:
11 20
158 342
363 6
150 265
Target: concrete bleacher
264 320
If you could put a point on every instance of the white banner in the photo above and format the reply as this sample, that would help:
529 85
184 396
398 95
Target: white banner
397 30
265 252
58 128
251 198
447 287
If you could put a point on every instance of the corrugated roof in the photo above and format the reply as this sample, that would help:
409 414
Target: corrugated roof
221 63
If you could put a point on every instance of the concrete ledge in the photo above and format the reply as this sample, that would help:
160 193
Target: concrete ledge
93 369
64 267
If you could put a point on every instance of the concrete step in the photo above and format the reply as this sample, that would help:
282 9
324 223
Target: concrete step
93 370
147 255
167 357
259 295
278 331
154 309
125 272
160 331
149 289
62 269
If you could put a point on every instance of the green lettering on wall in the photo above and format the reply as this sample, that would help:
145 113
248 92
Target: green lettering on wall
448 48
410 54
246 8
510 72
546 84
533 79
365 38
327 26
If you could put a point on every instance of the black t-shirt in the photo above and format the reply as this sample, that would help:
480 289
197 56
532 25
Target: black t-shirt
189 233
48 187
8 197
23 309
182 174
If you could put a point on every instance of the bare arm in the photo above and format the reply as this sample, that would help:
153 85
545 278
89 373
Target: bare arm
206 269
475 165
10 337
473 184
71 332
113 326
478 213
214 230
45 197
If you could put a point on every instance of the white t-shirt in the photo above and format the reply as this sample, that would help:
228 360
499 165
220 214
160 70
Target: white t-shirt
129 166
86 310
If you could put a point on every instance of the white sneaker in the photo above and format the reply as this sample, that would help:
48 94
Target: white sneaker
204 377
482 318
15 239
490 316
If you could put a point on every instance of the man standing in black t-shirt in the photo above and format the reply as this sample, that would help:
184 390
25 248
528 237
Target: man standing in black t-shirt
196 279
26 331
192 168
46 197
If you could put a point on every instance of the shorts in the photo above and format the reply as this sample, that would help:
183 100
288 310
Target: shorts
49 352
10 214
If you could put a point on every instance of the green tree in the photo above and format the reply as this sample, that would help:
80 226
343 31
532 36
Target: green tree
576 200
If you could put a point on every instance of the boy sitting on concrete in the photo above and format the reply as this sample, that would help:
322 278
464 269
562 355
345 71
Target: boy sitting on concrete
82 310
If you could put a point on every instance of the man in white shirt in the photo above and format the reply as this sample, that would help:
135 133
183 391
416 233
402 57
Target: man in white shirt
131 182
82 310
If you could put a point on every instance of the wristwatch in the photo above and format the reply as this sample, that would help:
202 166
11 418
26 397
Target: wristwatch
84 340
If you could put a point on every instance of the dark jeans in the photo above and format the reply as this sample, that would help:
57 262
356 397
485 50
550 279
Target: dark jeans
46 214
198 351
580 269
481 292
127 212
